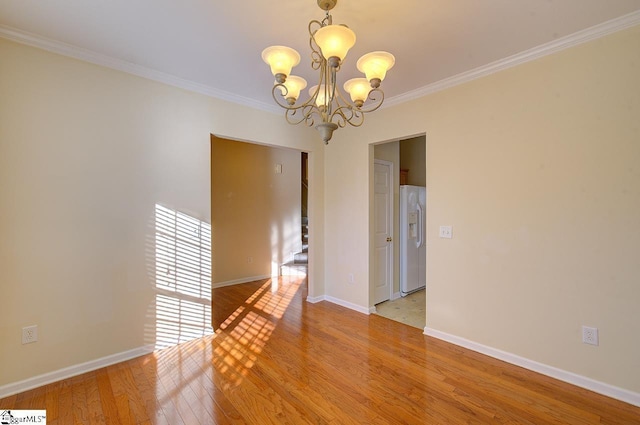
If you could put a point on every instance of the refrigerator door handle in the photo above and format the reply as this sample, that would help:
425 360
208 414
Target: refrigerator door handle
419 239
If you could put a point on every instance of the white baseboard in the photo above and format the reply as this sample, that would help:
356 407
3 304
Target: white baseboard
68 372
241 280
347 304
314 300
562 375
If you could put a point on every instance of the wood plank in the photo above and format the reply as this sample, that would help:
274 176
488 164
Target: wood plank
79 400
275 358
107 398
65 403
52 401
168 411
147 391
131 408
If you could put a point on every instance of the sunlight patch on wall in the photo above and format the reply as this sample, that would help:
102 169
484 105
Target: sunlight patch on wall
183 277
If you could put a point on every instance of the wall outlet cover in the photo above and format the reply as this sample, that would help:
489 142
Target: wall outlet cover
29 334
590 335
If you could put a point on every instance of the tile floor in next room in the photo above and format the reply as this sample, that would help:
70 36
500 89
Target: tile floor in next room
410 310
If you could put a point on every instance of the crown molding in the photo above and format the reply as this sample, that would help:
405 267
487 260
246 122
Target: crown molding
597 31
75 52
592 33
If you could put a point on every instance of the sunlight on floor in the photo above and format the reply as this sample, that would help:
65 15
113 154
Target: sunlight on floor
182 329
244 334
220 361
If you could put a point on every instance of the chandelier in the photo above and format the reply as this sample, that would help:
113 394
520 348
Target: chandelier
326 107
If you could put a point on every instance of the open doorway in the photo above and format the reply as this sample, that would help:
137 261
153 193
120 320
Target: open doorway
256 210
405 303
258 234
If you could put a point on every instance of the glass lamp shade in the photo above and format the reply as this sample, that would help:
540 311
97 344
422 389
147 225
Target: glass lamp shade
358 89
376 64
281 59
293 85
335 40
320 99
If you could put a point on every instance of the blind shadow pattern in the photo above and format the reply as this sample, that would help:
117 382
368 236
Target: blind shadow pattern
183 277
242 337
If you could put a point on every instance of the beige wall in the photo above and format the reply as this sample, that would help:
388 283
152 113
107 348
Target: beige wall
85 155
536 168
255 212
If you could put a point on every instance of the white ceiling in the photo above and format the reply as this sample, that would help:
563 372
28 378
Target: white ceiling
215 45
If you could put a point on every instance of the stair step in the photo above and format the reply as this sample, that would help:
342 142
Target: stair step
301 258
291 269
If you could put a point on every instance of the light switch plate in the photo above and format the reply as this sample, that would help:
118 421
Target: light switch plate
446 232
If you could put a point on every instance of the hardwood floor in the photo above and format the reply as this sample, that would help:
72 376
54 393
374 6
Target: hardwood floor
276 359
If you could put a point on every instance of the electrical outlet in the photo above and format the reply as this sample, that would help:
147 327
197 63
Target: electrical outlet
590 335
29 334
351 279
446 232
249 260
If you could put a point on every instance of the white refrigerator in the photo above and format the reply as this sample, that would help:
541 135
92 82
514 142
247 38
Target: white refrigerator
413 250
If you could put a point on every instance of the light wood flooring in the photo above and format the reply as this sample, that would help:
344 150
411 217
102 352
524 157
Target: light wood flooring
276 359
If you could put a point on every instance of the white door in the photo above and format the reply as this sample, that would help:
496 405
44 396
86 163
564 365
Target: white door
383 230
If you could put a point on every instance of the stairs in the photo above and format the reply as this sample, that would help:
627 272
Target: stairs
303 256
298 266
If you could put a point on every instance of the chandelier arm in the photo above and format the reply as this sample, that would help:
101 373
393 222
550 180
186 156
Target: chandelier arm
343 113
307 110
346 112
333 88
377 101
375 95
306 115
316 60
283 88
316 55
319 91
283 94
338 118
348 115
341 100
